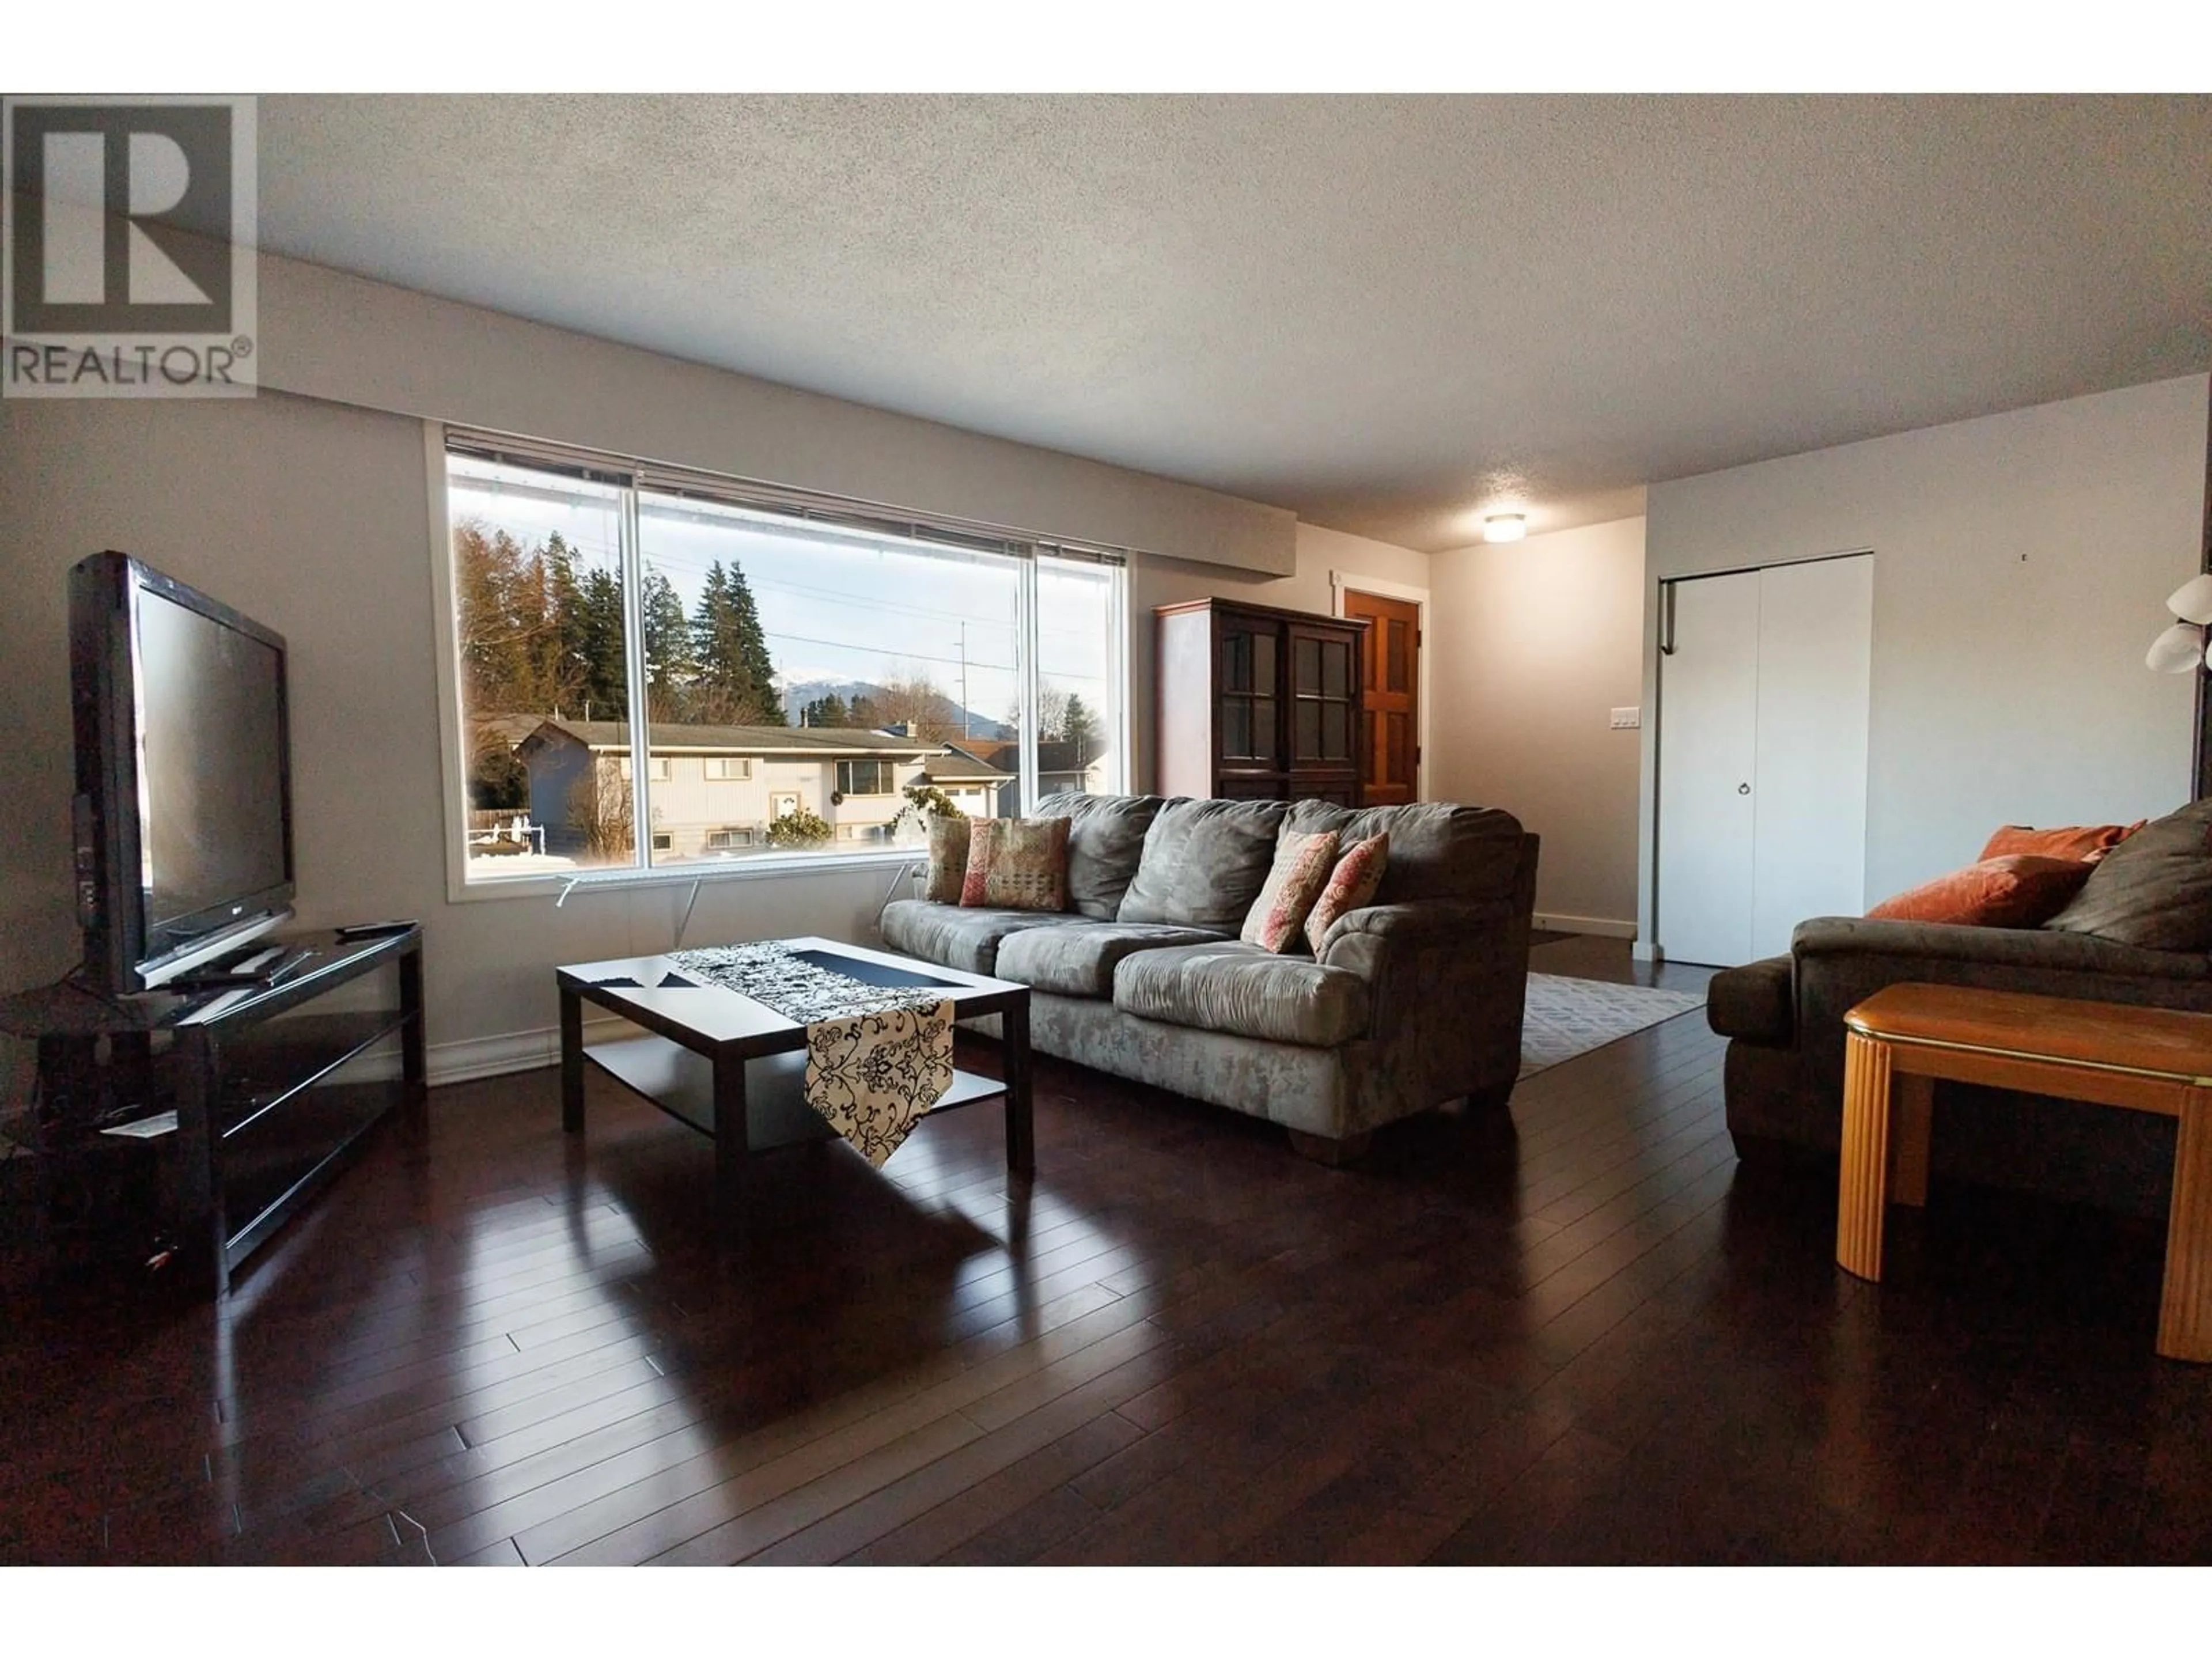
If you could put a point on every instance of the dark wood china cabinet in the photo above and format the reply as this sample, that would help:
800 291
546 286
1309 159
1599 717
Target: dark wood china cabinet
1258 703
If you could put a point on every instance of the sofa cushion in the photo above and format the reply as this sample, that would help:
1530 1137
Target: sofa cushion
1105 839
1753 1002
1078 960
1204 863
1995 958
1436 850
956 936
1244 991
2154 890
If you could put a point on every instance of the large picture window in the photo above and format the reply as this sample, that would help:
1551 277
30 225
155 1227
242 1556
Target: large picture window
800 677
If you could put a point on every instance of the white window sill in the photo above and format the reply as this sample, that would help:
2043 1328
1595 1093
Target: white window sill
579 884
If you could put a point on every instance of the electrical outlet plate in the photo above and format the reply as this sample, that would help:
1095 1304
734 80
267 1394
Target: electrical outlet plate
1627 720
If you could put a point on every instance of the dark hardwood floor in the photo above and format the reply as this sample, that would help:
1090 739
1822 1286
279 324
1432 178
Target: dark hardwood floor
1578 1332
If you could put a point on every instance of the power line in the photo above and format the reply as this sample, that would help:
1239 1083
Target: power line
878 651
845 597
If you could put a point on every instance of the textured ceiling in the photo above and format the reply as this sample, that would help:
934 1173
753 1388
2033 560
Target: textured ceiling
1387 313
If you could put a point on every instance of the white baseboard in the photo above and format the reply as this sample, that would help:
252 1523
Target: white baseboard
509 1051
1603 926
479 1057
1643 950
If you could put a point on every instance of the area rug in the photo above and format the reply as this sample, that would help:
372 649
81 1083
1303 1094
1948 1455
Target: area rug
1570 1017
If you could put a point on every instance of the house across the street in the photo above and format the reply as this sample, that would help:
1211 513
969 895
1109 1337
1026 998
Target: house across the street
716 789
1063 768
972 783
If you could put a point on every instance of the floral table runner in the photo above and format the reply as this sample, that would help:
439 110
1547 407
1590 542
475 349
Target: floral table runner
877 1058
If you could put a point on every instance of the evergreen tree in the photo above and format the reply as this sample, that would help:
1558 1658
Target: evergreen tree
671 663
830 710
603 687
1079 728
715 649
863 714
536 630
565 664
735 684
753 654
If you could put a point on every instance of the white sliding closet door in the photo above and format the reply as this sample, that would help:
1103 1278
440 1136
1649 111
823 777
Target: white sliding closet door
1708 751
1763 701
1815 656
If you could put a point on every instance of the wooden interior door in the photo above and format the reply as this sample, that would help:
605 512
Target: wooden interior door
1390 698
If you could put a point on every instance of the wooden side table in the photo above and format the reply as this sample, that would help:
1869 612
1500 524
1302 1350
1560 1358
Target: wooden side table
1902 1039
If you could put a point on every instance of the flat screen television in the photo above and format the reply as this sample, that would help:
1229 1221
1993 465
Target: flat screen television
184 775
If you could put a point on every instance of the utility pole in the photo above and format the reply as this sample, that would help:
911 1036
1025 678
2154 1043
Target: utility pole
963 682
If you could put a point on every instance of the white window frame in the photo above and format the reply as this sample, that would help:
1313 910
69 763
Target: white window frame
1023 550
742 762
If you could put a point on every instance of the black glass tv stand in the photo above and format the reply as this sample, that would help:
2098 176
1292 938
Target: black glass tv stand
234 1103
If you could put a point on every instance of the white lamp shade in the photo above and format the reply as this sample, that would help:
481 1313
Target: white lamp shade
2192 600
2176 651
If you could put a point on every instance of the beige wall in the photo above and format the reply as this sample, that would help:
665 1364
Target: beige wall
1532 645
346 339
2022 561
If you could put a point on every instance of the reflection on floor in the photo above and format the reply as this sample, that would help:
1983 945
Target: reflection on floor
1580 1332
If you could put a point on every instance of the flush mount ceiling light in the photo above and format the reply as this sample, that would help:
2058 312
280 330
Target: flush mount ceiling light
1505 526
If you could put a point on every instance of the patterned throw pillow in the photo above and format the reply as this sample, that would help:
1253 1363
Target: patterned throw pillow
948 858
1301 870
1352 886
1017 864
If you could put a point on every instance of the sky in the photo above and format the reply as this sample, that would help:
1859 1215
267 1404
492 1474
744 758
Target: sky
834 605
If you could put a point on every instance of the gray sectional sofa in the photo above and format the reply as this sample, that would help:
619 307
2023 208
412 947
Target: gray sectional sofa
1411 1002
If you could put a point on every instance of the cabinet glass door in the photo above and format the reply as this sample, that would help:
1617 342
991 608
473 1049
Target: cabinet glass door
1249 719
1324 697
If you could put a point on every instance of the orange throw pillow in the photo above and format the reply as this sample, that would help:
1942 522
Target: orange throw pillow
2019 890
2086 841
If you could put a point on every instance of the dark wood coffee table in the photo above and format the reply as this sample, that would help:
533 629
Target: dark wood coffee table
735 1070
